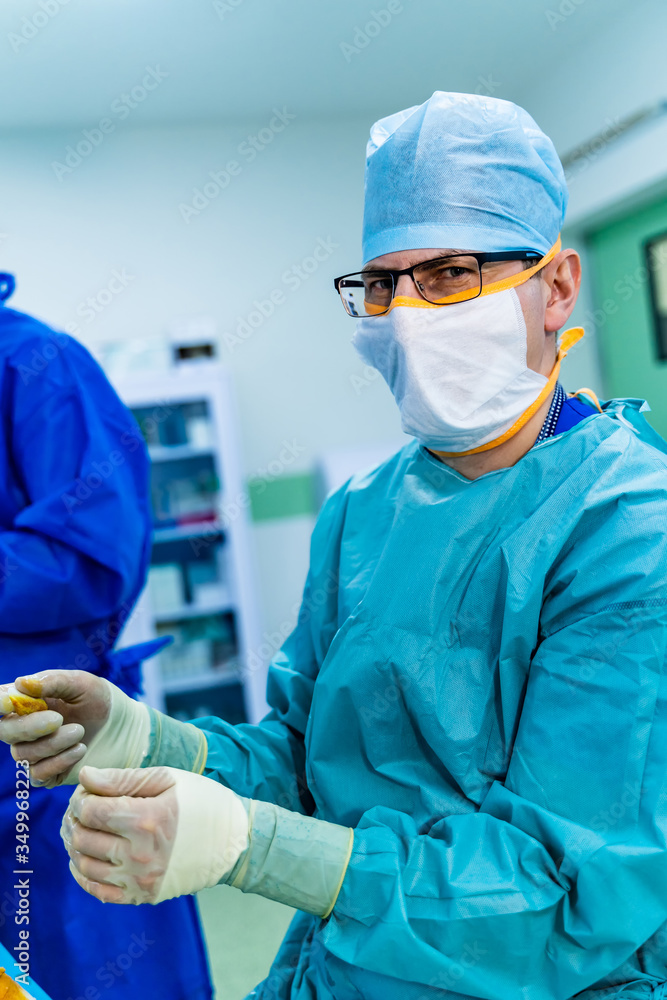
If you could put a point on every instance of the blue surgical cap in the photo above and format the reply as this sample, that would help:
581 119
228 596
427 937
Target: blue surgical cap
461 171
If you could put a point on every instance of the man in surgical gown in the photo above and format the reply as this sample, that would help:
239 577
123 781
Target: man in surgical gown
75 536
462 781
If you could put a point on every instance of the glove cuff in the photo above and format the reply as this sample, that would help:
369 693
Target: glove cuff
297 860
212 833
175 744
123 739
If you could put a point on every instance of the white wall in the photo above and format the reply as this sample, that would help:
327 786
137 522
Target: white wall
609 72
119 210
297 377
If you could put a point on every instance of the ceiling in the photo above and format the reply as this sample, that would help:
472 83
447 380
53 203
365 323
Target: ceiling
64 63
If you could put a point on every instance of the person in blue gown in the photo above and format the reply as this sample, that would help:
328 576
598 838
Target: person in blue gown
75 539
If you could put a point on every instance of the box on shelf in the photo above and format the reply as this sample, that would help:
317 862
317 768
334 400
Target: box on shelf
165 585
176 425
183 658
201 644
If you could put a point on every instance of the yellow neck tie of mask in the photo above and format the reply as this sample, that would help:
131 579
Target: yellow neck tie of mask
568 339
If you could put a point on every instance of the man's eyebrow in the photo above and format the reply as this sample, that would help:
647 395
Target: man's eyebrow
445 253
441 253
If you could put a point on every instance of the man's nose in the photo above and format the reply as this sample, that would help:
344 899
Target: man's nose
406 286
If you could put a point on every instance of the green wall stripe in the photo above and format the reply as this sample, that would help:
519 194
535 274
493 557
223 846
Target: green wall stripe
286 496
623 317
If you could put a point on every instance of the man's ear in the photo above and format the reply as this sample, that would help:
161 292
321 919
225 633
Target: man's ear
562 276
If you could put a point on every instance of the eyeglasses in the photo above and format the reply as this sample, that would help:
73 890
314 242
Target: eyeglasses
441 281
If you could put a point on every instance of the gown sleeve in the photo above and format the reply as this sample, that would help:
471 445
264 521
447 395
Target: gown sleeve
562 873
76 518
268 761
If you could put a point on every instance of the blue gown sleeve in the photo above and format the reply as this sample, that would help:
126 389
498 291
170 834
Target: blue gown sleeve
562 873
72 546
268 761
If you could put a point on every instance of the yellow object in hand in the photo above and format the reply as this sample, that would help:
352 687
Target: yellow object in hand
12 700
10 990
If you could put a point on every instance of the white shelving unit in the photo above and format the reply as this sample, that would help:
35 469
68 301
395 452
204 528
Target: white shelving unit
201 581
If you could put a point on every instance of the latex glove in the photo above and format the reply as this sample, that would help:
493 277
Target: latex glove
147 834
89 720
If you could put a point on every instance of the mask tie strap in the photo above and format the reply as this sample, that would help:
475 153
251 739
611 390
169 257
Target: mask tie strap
588 392
514 280
568 340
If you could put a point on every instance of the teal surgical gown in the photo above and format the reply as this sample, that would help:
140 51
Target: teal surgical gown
477 685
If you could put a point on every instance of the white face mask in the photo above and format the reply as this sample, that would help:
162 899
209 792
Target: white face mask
458 372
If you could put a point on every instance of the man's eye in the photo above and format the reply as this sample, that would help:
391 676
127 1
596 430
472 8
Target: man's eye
379 285
453 271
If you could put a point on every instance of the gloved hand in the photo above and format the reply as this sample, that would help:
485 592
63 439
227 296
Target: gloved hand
147 834
89 720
